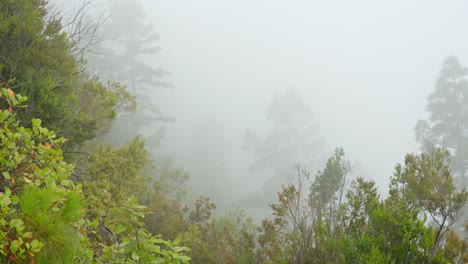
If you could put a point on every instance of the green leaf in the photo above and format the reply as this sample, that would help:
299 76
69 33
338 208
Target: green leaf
27 235
120 229
184 258
17 224
6 175
135 256
14 246
36 245
180 249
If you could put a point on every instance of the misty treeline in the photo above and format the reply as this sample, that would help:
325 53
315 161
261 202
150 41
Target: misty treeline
78 184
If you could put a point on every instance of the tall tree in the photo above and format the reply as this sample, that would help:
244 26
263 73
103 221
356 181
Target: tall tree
326 198
289 236
126 57
305 227
292 140
447 125
328 189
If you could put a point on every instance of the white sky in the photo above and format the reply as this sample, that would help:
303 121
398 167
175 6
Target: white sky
365 67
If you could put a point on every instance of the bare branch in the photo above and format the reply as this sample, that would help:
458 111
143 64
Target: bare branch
82 29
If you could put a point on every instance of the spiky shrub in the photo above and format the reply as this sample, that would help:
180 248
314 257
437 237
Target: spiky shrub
52 225
38 205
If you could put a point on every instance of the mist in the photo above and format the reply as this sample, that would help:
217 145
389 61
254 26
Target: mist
363 68
157 131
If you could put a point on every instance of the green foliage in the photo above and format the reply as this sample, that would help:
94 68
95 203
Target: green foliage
429 185
169 218
16 243
307 226
39 205
447 125
355 221
229 238
29 155
113 175
328 182
361 201
202 211
225 239
95 107
50 219
137 244
44 218
41 210
455 250
170 181
269 250
397 230
426 184
35 53
328 188
376 257
166 198
292 223
360 228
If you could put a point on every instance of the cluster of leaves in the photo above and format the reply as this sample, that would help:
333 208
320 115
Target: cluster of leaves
42 211
39 204
360 228
112 175
225 239
137 244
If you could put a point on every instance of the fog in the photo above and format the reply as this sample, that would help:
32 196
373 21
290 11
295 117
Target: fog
364 69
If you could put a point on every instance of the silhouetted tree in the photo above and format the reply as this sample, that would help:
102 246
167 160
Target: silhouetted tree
292 140
125 56
448 122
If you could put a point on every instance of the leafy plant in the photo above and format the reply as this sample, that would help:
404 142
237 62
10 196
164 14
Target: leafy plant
137 245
